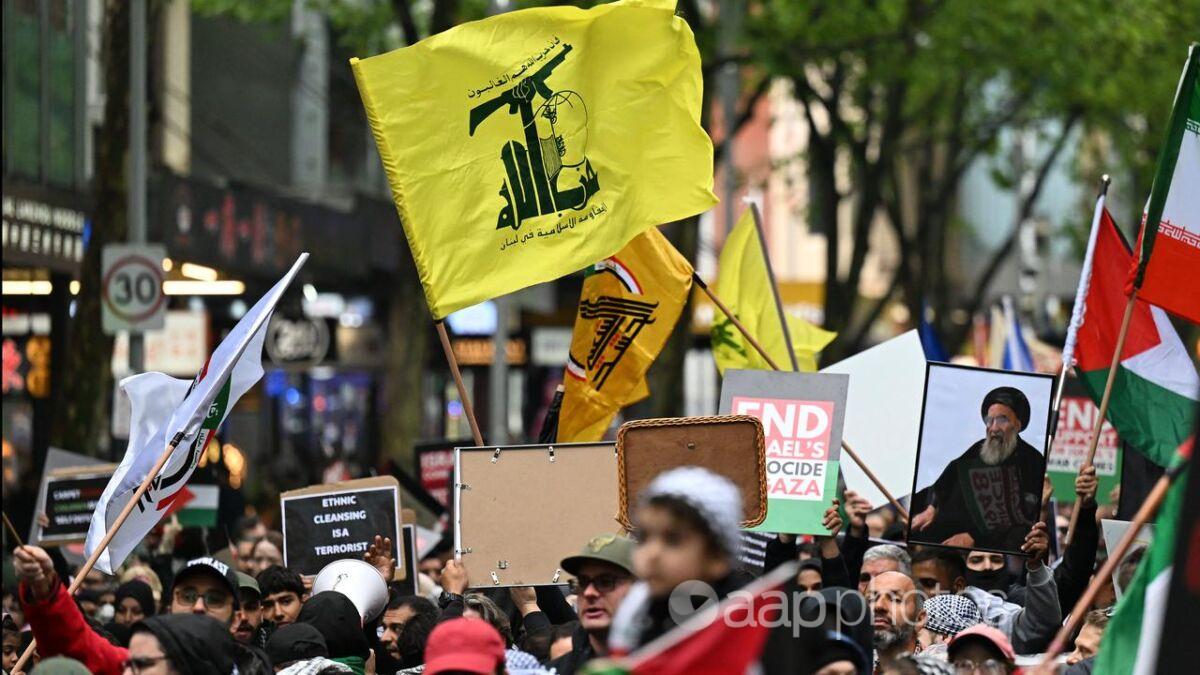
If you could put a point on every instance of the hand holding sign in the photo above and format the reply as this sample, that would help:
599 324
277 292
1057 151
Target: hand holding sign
1037 544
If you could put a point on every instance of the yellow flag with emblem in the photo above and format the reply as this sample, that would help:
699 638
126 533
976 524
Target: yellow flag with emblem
745 287
627 310
531 144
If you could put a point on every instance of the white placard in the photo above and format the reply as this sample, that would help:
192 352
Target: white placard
883 415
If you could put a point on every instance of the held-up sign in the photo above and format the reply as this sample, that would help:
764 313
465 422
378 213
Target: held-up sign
70 496
802 416
1076 419
324 523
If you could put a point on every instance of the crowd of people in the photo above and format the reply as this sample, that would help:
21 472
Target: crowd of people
882 607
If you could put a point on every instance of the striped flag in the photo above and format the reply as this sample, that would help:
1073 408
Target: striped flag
165 410
1169 246
1154 396
1135 638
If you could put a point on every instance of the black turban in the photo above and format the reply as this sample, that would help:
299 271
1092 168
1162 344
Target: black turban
1011 397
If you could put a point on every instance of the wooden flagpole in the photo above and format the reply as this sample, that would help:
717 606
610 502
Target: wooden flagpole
771 362
734 320
1143 515
1108 385
468 409
762 245
112 532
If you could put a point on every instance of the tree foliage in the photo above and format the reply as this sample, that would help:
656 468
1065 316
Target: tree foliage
902 96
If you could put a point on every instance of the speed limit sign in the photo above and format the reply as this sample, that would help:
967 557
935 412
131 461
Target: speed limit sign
131 288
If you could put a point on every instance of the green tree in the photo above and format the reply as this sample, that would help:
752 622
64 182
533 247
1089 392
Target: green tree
902 96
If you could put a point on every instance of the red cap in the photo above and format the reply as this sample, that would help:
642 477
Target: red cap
466 645
985 632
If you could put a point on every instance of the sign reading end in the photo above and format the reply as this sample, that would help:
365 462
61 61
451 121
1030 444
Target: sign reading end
131 290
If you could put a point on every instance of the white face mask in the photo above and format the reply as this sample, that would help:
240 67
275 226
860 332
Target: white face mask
105 613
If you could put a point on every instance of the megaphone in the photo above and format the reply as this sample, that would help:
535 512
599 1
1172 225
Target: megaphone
357 580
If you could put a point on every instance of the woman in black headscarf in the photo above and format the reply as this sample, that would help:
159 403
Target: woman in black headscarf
133 601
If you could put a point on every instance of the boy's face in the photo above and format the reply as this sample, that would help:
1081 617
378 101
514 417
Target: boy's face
282 607
671 552
12 649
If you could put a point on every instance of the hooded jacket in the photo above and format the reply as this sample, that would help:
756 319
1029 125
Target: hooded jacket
197 644
1029 628
338 621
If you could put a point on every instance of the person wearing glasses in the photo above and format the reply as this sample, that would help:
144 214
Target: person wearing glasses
982 650
989 496
602 574
181 643
203 587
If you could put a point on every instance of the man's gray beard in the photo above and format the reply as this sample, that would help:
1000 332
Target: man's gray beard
886 640
996 451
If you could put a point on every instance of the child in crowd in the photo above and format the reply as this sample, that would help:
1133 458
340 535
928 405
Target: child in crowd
687 524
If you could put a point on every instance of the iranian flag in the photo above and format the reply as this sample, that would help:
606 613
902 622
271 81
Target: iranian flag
1153 399
166 410
1139 639
1169 245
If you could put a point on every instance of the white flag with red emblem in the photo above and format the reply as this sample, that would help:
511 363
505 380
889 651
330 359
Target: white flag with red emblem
163 409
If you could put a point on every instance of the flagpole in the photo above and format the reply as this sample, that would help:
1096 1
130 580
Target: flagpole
112 532
762 245
468 409
1108 385
878 483
1143 515
774 366
734 320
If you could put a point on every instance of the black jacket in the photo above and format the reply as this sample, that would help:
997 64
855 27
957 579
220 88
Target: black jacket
581 652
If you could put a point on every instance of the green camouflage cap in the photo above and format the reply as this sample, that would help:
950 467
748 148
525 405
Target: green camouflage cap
609 548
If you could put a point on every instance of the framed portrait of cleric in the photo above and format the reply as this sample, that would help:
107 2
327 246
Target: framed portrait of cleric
981 458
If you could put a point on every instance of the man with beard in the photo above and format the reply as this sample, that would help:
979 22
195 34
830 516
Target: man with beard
248 618
407 622
897 613
990 496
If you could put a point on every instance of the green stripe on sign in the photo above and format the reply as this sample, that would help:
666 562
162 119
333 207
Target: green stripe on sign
197 517
1152 419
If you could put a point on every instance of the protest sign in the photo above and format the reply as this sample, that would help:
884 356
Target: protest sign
408 549
883 415
435 467
981 458
69 497
323 523
730 446
553 496
56 458
1114 531
1076 419
802 416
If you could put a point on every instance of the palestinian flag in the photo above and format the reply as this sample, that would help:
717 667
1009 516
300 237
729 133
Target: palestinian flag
1154 396
728 637
1169 245
1139 640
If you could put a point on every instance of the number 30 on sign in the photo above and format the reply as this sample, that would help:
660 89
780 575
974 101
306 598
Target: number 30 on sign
131 288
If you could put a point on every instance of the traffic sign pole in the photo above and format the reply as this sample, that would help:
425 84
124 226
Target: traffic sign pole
136 207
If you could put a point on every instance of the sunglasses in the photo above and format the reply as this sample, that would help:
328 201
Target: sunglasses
215 599
604 583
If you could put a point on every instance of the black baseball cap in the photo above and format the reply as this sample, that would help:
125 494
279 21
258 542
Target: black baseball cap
214 568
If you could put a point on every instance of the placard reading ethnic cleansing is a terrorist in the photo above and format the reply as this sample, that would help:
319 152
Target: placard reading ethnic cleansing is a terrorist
324 523
802 416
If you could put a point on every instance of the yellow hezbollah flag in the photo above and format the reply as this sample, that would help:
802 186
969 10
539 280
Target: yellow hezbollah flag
629 305
744 286
531 144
